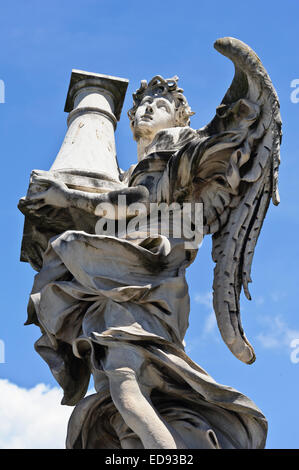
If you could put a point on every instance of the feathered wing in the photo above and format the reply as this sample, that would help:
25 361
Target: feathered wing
252 173
235 163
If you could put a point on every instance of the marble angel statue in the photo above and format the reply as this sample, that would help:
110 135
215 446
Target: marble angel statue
116 306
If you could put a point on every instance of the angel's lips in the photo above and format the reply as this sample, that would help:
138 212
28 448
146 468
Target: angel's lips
146 117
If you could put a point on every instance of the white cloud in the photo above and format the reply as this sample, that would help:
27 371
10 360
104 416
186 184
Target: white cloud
32 418
206 299
278 296
209 324
260 300
277 334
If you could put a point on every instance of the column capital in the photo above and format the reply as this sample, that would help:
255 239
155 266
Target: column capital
115 86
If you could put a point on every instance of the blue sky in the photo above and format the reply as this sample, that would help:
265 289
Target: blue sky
40 43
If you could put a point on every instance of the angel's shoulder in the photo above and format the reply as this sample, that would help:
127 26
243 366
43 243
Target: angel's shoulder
172 139
126 175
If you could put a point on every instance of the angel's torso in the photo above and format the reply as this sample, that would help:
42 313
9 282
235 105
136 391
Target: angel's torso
165 219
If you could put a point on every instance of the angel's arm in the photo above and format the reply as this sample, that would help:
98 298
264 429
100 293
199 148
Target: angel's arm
52 192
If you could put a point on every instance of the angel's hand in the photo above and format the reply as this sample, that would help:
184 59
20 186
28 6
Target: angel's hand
50 192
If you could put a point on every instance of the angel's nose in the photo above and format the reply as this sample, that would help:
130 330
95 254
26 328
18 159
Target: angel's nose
149 109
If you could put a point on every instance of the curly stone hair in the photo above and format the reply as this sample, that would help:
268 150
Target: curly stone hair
159 86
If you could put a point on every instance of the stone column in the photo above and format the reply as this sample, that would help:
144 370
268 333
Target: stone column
86 161
94 103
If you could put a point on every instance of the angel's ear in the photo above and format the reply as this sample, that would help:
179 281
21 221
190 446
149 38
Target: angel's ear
178 117
183 112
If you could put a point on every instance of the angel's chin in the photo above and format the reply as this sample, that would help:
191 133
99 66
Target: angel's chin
144 130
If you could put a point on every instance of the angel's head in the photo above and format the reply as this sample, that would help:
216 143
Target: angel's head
158 105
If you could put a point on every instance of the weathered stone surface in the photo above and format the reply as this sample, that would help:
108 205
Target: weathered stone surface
111 298
94 102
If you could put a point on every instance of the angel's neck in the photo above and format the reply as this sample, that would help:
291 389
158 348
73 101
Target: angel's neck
143 146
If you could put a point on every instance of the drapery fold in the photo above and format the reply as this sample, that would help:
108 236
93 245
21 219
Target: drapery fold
89 296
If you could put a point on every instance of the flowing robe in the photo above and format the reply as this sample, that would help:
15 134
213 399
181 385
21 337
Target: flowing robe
98 291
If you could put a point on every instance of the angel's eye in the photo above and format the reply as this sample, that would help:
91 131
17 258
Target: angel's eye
220 180
163 105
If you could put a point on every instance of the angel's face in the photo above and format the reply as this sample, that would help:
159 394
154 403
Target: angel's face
152 115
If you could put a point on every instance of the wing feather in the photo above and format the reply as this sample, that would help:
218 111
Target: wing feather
233 245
